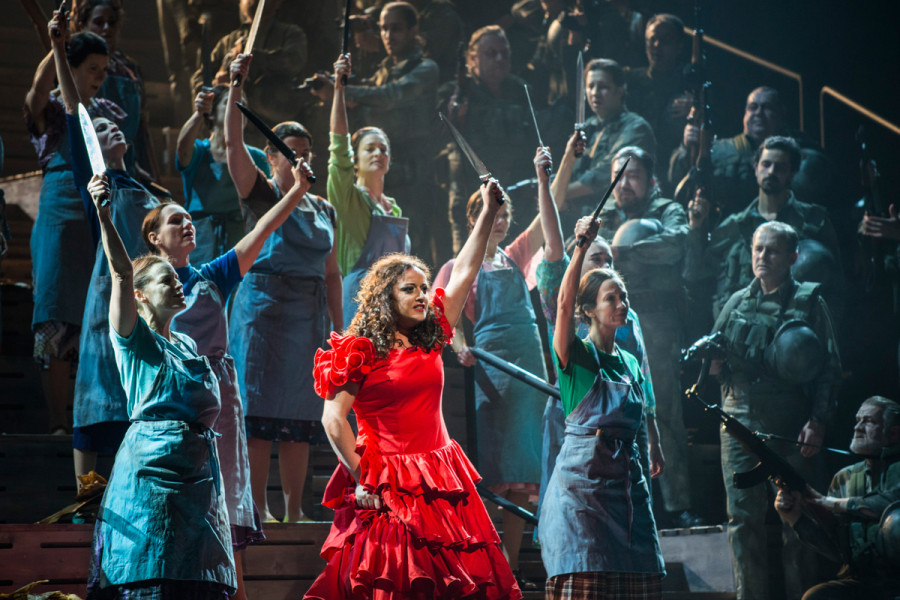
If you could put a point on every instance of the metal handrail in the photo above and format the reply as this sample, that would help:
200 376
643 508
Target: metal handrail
761 62
852 104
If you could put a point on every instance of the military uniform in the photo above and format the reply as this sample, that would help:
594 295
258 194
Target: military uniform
755 395
734 175
593 168
501 133
651 268
726 253
442 29
399 99
851 539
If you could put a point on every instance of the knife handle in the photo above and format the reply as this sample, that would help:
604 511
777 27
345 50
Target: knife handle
344 79
497 196
311 177
580 133
236 82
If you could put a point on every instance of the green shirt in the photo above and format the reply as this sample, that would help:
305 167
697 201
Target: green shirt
577 378
353 204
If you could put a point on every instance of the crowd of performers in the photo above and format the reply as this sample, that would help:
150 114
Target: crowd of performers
199 331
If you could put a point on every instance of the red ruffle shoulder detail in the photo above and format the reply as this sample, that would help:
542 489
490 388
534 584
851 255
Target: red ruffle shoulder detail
437 301
350 359
433 534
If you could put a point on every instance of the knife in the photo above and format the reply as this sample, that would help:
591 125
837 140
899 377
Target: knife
582 240
548 168
345 47
276 141
92 144
483 174
579 98
251 38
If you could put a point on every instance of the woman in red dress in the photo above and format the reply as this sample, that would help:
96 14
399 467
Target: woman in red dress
408 521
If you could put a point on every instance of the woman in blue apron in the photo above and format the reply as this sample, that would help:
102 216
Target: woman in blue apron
209 192
508 411
369 223
598 537
124 84
162 529
99 410
169 232
61 251
281 310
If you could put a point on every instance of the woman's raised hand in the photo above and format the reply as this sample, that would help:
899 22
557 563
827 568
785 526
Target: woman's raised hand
587 227
302 171
576 143
543 163
203 102
98 187
241 66
491 189
342 67
59 29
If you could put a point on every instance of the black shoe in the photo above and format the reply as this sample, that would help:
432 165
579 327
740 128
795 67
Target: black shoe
525 585
685 519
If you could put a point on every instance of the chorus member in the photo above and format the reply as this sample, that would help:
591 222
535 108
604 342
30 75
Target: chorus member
597 530
281 310
408 519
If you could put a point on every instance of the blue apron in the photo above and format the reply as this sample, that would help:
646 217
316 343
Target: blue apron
386 235
99 396
596 513
163 514
218 219
280 318
62 254
203 320
508 411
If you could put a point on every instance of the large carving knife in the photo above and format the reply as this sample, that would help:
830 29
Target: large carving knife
206 67
251 38
537 130
583 240
345 45
95 153
579 98
276 141
483 174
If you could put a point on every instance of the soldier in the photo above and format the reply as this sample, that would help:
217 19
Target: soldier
611 128
647 234
781 376
733 164
656 92
279 55
724 254
399 99
859 498
489 108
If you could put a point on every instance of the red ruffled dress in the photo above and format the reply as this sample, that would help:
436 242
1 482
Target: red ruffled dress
434 539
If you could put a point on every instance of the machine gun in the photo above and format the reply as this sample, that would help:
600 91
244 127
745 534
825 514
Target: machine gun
699 176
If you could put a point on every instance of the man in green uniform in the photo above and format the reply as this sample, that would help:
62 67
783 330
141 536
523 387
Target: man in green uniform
857 498
647 233
611 128
724 253
733 170
774 396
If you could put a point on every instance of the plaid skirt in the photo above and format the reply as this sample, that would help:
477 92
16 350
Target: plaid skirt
605 586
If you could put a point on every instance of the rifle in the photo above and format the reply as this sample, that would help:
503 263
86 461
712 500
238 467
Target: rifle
871 250
700 174
771 465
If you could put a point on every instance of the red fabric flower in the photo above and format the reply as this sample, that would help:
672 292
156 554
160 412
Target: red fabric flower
350 359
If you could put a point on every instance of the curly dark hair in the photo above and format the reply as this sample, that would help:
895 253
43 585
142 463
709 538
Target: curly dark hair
376 317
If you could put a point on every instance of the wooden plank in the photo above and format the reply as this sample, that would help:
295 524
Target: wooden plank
34 552
288 589
294 561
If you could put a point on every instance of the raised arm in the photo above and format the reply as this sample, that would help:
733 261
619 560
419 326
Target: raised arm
122 307
251 244
339 124
543 163
469 259
240 164
38 95
565 304
190 131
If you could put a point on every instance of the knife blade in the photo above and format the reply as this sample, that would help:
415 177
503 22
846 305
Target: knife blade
276 141
251 37
579 97
92 144
206 53
345 46
483 174
537 130
582 240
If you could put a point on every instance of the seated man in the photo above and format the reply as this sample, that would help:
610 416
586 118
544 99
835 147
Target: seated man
857 497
